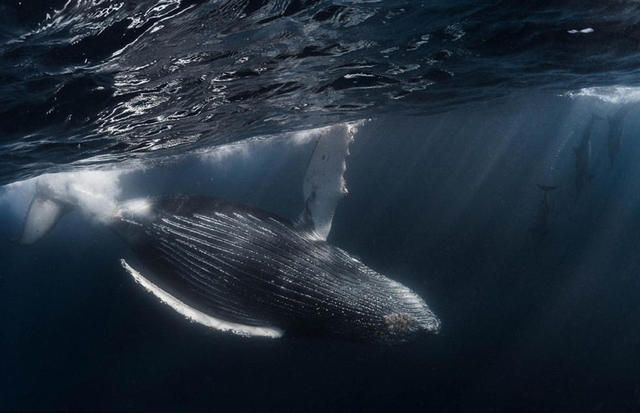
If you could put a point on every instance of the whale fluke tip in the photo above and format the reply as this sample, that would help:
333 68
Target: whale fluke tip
42 216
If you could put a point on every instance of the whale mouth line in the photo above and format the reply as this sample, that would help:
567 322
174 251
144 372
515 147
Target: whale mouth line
196 315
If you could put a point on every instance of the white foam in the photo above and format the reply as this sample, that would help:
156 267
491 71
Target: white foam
586 30
250 147
609 94
94 192
135 207
233 150
196 315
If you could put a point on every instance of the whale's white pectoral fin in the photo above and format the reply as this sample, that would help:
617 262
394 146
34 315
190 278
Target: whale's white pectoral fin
324 183
197 315
42 215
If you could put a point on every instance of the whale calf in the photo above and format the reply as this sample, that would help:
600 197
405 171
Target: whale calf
616 127
583 157
240 269
255 273
540 228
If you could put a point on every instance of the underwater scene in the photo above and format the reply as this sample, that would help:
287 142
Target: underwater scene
319 206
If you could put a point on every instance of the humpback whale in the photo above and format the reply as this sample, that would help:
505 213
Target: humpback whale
540 228
583 157
244 270
616 125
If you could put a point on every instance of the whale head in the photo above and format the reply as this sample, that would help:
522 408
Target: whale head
412 317
396 314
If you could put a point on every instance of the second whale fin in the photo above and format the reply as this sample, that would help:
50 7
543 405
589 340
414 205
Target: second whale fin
324 183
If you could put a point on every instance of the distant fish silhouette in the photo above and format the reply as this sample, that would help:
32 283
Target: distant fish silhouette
546 188
540 228
616 126
583 157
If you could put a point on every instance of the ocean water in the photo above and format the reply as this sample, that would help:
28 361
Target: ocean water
492 171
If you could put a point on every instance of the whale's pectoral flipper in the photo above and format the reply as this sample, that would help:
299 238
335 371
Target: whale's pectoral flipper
324 183
43 214
196 315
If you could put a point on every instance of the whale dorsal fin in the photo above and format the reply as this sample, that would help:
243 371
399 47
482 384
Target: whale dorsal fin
43 214
324 183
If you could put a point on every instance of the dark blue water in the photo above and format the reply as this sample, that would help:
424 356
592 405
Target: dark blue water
472 105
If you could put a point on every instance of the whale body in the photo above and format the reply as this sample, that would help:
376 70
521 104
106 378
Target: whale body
254 273
237 268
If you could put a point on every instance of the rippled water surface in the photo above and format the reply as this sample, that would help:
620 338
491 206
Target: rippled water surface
103 81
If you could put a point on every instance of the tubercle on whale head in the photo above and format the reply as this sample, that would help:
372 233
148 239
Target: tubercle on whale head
401 326
404 323
395 315
410 318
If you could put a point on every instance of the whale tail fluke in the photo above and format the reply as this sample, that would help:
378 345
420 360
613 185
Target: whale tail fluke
43 214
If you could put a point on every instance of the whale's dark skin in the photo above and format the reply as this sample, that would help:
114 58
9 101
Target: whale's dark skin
250 267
